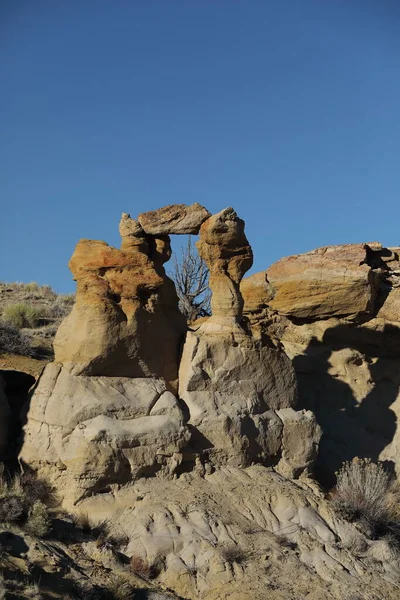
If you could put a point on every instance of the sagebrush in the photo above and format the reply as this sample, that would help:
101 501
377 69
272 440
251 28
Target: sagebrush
14 341
366 492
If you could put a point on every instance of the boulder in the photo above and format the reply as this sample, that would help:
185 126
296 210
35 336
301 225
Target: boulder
228 255
175 218
230 384
87 433
329 281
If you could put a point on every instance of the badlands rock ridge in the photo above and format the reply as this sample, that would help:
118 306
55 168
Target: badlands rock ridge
197 443
124 399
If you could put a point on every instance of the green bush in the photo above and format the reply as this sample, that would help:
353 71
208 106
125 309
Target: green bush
38 522
24 315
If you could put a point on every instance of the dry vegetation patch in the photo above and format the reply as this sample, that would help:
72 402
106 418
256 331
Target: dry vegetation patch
30 315
368 494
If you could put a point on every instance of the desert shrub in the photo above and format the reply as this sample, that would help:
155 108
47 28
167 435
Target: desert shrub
365 492
33 286
38 522
67 299
11 509
22 314
285 542
22 501
3 589
12 340
46 291
233 554
142 567
96 530
36 488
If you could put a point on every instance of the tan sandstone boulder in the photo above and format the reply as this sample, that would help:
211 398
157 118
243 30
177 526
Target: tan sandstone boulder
88 433
329 281
175 218
230 383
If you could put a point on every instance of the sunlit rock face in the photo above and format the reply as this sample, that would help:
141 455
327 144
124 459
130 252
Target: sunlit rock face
336 310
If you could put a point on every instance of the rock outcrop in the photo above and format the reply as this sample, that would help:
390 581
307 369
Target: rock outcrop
87 433
125 307
228 255
335 310
104 413
175 218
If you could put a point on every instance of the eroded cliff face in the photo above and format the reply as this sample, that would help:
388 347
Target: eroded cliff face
111 410
336 311
190 451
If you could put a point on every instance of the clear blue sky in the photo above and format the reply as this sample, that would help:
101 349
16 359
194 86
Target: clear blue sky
287 110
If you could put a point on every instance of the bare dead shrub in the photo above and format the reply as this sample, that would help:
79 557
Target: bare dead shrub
233 554
190 275
142 567
285 542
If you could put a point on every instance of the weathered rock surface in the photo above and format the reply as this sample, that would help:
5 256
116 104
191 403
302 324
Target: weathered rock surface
330 281
230 384
228 255
175 218
87 433
346 350
247 534
125 307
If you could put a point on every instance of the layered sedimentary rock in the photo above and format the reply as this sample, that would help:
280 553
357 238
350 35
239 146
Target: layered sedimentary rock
88 433
103 413
335 310
231 383
175 218
125 307
231 386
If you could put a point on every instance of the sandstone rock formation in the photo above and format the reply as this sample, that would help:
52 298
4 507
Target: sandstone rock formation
330 281
88 433
228 255
125 307
232 385
175 218
335 310
101 415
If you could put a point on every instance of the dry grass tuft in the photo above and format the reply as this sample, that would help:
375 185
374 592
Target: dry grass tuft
120 589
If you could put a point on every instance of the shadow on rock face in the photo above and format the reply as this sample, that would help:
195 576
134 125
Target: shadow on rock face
352 426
